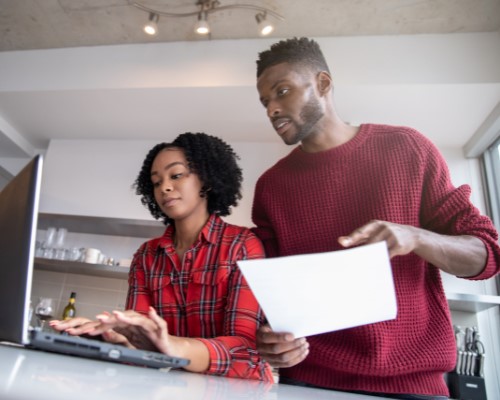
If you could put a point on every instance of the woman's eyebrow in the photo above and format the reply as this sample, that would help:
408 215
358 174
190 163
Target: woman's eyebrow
168 166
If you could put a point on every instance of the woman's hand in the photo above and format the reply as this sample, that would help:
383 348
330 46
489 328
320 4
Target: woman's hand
135 330
74 326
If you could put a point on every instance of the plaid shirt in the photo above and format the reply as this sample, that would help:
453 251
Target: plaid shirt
204 296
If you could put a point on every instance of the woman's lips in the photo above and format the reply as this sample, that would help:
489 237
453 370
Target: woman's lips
169 202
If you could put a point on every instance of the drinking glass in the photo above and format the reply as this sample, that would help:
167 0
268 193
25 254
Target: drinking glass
44 311
48 245
60 252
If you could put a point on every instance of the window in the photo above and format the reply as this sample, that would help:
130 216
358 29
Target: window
491 165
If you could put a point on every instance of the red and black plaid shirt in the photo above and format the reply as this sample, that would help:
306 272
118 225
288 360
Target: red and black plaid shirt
204 296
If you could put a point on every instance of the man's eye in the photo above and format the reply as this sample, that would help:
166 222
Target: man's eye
282 92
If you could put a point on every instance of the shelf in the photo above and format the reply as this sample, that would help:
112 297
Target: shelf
73 267
102 225
471 302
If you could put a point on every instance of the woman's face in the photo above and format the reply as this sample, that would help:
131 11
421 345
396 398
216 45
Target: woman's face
176 188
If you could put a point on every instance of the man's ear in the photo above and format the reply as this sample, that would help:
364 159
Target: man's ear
324 82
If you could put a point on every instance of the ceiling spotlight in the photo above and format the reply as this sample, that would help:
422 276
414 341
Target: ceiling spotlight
201 27
204 8
265 27
151 28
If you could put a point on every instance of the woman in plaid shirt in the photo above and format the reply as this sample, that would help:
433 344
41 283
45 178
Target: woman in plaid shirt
187 297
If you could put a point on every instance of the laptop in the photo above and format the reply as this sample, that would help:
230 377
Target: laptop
18 221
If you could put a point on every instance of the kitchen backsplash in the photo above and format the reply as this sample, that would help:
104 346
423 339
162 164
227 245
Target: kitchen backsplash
93 294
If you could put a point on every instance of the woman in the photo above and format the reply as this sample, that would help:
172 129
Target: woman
187 298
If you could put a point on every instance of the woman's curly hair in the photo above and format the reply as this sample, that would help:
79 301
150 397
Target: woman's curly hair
212 159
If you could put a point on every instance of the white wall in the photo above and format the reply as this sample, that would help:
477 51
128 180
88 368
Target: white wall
91 177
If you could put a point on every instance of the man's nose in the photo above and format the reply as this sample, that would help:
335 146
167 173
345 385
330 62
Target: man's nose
273 109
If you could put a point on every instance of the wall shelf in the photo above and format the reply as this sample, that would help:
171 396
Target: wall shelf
102 225
74 267
471 302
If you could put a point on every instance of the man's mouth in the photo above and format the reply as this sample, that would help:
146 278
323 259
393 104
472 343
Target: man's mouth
280 125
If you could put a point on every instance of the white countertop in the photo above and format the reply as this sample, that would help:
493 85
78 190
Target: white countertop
30 374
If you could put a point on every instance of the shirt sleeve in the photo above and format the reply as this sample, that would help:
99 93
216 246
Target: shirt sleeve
138 298
234 354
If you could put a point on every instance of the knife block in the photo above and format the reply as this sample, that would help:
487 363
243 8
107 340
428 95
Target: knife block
466 387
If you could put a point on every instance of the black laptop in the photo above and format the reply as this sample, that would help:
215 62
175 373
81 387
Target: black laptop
18 221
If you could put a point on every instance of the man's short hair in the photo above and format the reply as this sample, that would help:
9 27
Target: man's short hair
302 51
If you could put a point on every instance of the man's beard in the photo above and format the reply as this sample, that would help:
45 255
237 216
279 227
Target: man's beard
310 114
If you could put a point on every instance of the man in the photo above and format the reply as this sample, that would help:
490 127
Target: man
345 186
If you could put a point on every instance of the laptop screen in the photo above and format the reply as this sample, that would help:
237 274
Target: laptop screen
18 223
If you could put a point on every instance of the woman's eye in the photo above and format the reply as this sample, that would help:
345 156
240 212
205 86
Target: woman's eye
176 176
156 184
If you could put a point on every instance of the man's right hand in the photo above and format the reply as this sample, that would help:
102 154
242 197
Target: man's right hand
281 350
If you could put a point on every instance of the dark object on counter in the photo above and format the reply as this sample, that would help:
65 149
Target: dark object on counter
465 387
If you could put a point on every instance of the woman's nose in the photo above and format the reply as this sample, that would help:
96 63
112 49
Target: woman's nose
167 187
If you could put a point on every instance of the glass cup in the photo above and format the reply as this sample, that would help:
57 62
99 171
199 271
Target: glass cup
50 236
61 237
44 311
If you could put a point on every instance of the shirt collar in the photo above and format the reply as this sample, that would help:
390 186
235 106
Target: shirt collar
209 233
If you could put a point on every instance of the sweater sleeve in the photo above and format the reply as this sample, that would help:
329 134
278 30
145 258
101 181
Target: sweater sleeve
234 354
448 210
263 226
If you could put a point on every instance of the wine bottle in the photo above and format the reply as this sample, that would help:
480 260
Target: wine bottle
70 309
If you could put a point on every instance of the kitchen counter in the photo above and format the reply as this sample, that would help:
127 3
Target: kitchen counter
27 374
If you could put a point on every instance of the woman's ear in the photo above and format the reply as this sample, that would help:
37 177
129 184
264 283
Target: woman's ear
324 82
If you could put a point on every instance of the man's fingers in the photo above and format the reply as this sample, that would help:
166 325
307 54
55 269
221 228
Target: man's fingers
281 356
266 335
281 349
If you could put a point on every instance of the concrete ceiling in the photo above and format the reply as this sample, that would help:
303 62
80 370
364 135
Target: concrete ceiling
36 24
30 116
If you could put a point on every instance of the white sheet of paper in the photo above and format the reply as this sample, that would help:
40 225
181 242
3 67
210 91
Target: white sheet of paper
323 292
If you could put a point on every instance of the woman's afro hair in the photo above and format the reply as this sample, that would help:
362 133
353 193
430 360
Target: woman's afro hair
212 159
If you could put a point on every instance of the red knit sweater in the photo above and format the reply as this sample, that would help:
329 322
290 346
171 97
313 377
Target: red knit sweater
307 200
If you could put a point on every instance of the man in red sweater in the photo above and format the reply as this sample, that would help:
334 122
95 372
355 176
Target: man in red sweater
345 186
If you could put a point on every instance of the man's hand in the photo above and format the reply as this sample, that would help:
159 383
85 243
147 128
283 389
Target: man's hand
461 255
400 239
281 350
